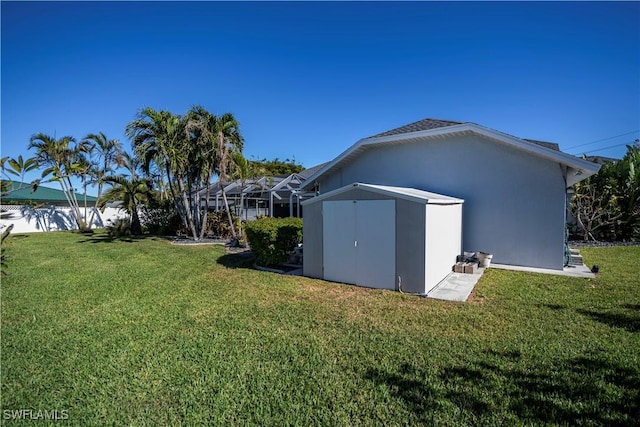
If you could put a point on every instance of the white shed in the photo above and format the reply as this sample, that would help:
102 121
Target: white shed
382 237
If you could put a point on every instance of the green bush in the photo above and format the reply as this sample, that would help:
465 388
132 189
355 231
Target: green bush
159 217
5 235
272 239
218 224
121 227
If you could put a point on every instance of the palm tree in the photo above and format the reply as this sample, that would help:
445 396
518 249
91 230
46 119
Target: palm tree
228 140
218 137
132 192
108 155
190 149
62 160
244 170
18 167
161 137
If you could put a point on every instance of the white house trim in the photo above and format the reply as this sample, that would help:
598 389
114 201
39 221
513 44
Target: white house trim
410 194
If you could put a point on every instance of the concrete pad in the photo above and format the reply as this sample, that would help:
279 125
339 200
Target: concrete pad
577 271
456 286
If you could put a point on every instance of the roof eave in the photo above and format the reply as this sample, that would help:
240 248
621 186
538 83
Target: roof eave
375 189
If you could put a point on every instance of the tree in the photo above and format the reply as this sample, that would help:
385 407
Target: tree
216 139
607 205
62 159
17 167
595 207
3 258
228 140
244 170
277 167
161 138
106 155
628 175
132 191
190 149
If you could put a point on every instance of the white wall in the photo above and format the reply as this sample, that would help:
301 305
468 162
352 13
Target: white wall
443 241
27 219
514 201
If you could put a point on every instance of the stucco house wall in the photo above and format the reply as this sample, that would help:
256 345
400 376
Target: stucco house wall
514 200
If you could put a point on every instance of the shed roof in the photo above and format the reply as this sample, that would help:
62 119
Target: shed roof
406 193
19 191
429 129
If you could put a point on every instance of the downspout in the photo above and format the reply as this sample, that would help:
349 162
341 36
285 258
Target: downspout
567 251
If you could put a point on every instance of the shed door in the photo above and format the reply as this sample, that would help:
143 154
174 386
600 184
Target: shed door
359 242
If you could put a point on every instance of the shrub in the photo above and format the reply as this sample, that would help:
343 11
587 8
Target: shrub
218 224
273 239
84 228
160 218
3 261
121 227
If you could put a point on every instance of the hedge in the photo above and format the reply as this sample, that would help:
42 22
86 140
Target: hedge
273 239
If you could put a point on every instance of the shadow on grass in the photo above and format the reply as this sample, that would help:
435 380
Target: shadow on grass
423 400
630 322
556 307
577 391
237 260
105 238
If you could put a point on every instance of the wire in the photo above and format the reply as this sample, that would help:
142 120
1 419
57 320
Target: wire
604 139
605 148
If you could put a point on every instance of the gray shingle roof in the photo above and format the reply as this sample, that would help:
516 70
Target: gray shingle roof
424 124
306 173
601 160
430 123
551 145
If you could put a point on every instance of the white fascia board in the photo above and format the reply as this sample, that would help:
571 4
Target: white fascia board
422 197
332 163
588 168
286 181
412 194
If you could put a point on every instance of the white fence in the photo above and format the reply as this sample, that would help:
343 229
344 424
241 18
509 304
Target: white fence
27 219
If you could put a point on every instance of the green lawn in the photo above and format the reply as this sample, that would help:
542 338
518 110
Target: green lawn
141 332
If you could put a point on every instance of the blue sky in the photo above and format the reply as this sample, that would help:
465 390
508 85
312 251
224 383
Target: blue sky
307 80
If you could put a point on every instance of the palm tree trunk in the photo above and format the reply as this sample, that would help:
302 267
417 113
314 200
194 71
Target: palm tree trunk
187 208
136 227
70 195
206 209
95 207
226 206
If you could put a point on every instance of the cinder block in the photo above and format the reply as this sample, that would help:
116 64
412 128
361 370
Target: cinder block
458 267
471 267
